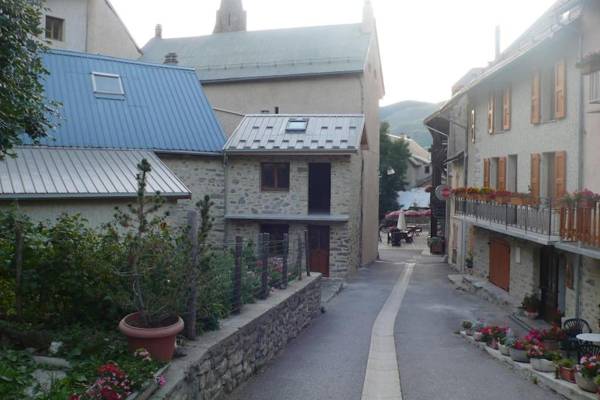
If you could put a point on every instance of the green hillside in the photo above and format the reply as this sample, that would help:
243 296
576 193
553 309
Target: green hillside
407 117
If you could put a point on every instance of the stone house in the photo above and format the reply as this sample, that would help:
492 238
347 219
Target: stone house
90 26
310 70
418 173
290 174
526 124
114 113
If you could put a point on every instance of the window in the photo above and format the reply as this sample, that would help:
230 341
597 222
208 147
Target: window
275 177
107 83
427 169
595 87
472 124
548 93
276 237
499 111
54 28
297 125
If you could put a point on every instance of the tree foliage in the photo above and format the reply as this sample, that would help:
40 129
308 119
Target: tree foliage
23 108
393 164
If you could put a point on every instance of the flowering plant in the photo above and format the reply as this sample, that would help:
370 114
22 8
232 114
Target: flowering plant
589 366
112 384
531 303
459 191
520 345
536 351
586 195
554 333
472 190
467 325
486 191
533 336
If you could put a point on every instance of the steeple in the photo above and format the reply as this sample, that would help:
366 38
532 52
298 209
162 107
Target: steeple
368 22
231 17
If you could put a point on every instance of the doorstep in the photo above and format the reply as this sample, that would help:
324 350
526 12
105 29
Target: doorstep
544 379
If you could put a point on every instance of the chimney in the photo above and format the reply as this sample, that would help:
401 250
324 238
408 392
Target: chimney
497 43
171 59
158 31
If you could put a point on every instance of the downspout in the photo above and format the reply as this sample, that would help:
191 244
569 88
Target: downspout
87 25
362 184
225 178
580 178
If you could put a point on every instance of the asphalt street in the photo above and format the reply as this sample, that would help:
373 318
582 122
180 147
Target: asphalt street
329 359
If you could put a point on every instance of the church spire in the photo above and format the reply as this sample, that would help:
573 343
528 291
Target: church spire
368 22
231 17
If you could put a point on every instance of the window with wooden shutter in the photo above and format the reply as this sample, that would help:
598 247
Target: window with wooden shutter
486 172
534 185
501 184
560 171
560 75
536 86
506 109
491 106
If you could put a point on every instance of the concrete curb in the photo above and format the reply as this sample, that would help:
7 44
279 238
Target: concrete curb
330 293
544 379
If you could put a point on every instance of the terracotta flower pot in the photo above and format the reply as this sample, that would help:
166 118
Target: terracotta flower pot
519 355
160 342
567 374
542 365
586 384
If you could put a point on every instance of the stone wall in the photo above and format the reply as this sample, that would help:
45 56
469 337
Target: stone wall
590 291
220 361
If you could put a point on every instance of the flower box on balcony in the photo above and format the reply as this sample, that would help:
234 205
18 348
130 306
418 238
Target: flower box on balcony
518 200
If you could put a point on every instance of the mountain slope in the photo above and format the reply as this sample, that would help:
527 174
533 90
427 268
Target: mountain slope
406 117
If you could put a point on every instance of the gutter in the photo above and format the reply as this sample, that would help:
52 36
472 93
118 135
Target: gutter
292 152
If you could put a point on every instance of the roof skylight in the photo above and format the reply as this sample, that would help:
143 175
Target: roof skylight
297 125
107 83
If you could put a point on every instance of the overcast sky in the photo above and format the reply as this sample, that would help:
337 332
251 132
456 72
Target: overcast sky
426 45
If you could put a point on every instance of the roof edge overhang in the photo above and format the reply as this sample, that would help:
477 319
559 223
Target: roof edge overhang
279 77
322 218
291 152
87 196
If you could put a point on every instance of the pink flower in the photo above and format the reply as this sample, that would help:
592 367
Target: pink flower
161 380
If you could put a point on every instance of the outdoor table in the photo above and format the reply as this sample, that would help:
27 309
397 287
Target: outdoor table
589 337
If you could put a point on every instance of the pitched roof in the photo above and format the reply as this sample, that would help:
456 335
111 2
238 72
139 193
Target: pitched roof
163 108
333 49
50 172
260 133
418 154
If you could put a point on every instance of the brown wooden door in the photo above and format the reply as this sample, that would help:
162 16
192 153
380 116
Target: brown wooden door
318 240
500 264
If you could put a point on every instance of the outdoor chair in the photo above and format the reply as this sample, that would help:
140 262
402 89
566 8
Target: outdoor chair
587 349
572 328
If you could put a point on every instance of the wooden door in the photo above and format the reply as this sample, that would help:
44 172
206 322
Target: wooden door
500 264
549 279
318 240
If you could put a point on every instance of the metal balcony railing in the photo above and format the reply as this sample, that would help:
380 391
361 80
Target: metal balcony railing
541 219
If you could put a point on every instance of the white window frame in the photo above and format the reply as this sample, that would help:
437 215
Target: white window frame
107 75
595 87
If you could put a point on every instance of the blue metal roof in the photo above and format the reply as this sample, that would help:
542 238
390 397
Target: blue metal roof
163 107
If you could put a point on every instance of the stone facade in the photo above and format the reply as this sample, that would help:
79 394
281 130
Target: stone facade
220 361
244 196
203 175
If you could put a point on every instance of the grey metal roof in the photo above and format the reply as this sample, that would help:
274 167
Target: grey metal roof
259 133
317 50
50 172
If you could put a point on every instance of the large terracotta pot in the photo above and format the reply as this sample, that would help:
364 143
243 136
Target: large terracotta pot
586 384
160 342
519 355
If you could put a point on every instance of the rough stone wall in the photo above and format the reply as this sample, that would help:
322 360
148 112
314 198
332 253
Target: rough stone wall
590 291
224 361
481 253
203 175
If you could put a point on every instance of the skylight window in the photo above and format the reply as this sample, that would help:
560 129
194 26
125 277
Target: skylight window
107 84
297 125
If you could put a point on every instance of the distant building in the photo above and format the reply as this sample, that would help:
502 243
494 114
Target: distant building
90 26
312 70
418 173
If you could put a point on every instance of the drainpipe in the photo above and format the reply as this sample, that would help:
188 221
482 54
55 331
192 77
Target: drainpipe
578 286
225 176
580 172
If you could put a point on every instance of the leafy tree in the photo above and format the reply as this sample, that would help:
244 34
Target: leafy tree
393 164
23 108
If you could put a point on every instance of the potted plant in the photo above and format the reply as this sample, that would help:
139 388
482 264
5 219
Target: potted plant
469 260
518 199
518 351
585 198
472 193
436 244
566 369
531 305
153 275
586 374
541 359
552 337
467 327
502 196
505 344
486 194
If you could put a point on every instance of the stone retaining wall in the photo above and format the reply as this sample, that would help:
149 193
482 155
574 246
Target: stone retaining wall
217 362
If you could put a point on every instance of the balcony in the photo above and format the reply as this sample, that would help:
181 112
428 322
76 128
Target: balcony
538 222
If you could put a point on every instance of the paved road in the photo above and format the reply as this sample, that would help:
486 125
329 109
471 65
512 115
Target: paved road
328 360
